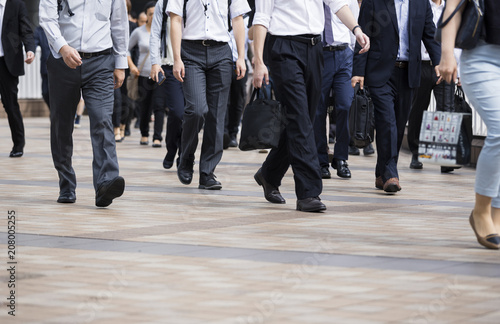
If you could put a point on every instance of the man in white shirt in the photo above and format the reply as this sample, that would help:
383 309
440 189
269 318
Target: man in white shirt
204 65
296 64
338 48
443 92
169 93
89 57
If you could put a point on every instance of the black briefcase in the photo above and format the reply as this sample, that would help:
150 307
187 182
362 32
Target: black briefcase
361 118
261 124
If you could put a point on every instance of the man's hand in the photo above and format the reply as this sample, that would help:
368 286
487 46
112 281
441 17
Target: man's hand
155 69
30 56
358 79
119 76
260 73
363 40
241 68
178 70
436 68
70 56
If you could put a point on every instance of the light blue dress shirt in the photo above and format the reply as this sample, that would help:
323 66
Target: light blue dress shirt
404 39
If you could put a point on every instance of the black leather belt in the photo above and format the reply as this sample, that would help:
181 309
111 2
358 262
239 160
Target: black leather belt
89 55
427 62
307 39
204 42
401 64
333 48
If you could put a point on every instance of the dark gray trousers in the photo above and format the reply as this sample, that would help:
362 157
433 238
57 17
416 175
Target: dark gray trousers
206 90
94 80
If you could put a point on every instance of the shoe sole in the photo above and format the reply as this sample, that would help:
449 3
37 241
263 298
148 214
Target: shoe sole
66 201
115 190
311 210
392 188
214 187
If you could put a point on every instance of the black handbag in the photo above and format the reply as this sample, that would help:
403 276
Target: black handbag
261 124
361 118
446 137
471 25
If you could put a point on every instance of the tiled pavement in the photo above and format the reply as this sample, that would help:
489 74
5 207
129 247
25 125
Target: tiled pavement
169 253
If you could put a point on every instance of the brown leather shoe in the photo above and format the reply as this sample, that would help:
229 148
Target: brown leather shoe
392 185
379 183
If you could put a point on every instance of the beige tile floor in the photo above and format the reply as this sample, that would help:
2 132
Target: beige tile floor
169 253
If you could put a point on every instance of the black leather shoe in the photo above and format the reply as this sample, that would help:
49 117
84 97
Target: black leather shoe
353 150
168 161
325 173
415 163
185 171
67 198
108 191
342 168
208 182
310 205
368 149
271 193
15 154
445 169
233 143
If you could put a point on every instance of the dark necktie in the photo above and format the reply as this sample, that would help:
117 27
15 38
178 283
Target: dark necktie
328 31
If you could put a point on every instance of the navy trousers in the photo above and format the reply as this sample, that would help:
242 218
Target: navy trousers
392 103
296 70
337 76
169 95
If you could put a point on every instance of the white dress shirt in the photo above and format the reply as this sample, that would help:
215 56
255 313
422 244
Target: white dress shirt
209 24
2 9
294 17
155 42
341 33
94 27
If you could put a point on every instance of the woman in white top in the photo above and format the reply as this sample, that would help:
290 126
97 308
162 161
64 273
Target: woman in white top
140 37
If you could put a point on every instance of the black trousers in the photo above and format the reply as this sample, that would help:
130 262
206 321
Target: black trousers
8 91
235 105
444 94
392 103
296 70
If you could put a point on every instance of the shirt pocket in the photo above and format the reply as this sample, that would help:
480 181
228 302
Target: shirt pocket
103 10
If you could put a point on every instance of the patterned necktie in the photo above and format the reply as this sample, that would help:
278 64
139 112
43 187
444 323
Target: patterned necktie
328 31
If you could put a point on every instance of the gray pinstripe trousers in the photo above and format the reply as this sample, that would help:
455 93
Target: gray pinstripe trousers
206 89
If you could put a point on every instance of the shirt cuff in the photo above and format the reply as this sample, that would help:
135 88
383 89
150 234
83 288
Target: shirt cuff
261 19
121 62
58 43
337 5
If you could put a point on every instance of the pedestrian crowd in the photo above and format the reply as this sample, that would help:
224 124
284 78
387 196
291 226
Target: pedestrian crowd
188 61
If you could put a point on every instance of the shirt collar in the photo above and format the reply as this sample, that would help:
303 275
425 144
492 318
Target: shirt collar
3 2
434 5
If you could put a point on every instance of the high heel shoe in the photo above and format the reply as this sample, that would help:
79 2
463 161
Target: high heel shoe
491 241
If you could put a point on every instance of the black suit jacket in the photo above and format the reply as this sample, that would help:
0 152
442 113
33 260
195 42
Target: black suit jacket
16 31
378 20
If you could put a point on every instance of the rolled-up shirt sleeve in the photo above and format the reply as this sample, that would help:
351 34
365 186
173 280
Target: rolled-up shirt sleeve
264 9
176 7
336 5
49 22
119 33
239 8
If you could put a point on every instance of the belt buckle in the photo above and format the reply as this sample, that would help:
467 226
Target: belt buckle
205 42
86 55
399 64
313 41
